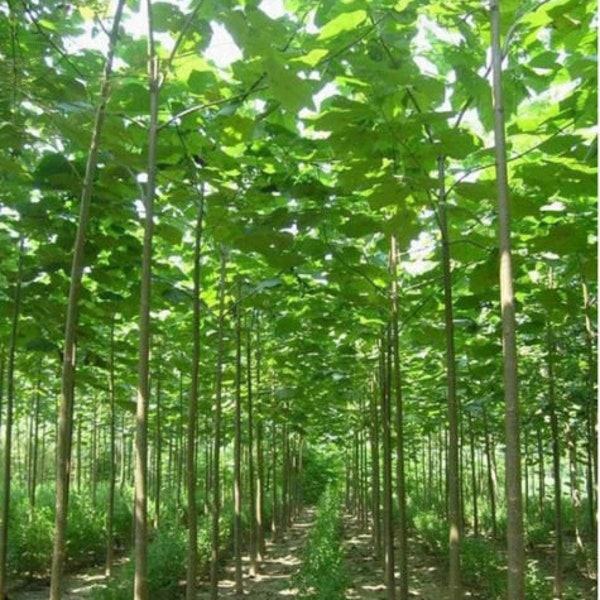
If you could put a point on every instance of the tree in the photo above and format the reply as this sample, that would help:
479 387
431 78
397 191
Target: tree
516 554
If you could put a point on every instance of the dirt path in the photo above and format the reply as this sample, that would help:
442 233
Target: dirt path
366 573
80 585
282 561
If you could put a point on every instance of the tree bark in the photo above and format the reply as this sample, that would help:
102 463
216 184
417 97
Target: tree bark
375 470
110 542
552 411
251 463
143 392
237 448
454 512
216 458
192 442
63 451
8 423
402 533
514 501
386 435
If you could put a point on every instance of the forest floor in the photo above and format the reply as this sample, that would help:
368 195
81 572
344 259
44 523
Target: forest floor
275 577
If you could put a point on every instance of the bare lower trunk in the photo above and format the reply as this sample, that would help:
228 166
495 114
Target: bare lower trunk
65 412
514 502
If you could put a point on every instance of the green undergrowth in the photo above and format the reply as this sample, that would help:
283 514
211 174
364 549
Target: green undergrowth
167 560
483 559
31 529
322 575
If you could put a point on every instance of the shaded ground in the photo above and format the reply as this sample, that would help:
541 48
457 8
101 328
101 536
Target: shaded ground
80 585
366 573
274 580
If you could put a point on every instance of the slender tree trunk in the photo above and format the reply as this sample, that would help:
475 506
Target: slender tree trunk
110 541
515 545
260 457
558 525
402 533
260 491
375 471
143 392
275 505
8 424
474 490
2 370
251 464
216 458
526 477
575 494
454 513
63 451
237 448
286 471
491 474
181 450
33 468
591 413
386 434
541 471
157 449
191 454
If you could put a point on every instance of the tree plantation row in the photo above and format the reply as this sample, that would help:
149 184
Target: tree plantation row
263 255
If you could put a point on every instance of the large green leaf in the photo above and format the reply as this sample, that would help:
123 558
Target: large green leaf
347 21
293 92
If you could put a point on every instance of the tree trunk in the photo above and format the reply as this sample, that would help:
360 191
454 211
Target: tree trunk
591 413
143 392
251 465
237 448
275 505
454 512
515 545
34 445
491 474
260 457
8 424
260 492
558 525
386 435
575 494
192 418
474 490
402 533
157 449
375 472
63 451
110 513
216 458
541 470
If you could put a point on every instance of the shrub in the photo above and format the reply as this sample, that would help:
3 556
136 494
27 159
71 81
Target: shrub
31 537
86 532
166 568
482 567
322 575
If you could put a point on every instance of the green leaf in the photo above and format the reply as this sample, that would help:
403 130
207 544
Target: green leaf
199 82
166 17
345 22
459 143
293 93
171 234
